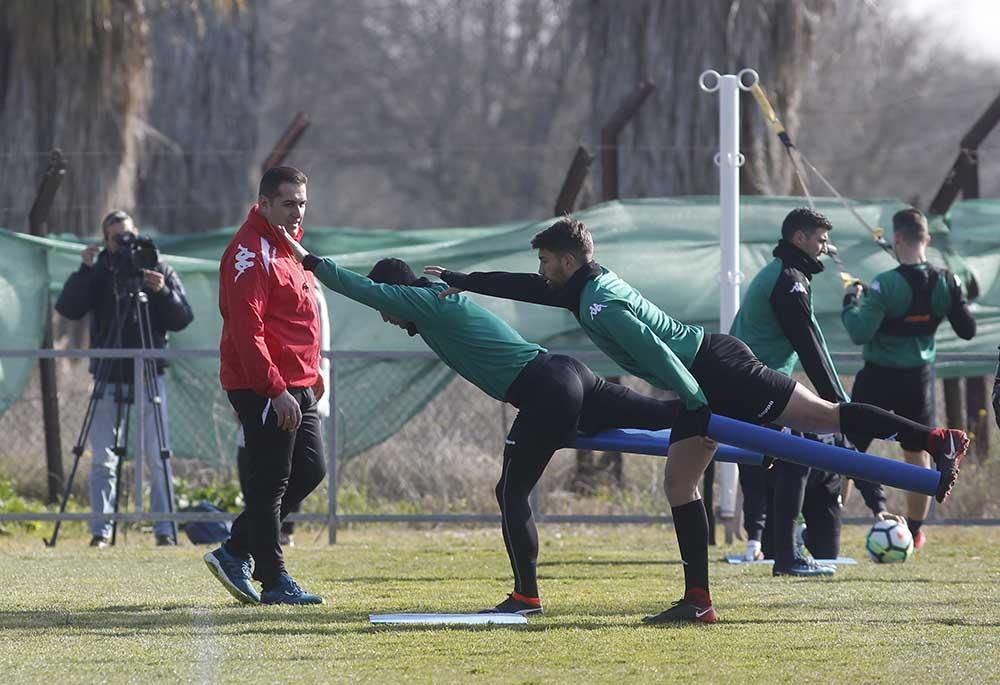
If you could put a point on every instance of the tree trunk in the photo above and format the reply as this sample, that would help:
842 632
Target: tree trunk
73 75
668 149
200 162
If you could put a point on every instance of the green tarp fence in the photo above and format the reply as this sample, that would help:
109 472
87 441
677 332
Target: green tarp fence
667 248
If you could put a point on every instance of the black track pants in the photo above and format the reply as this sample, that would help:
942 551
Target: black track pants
280 468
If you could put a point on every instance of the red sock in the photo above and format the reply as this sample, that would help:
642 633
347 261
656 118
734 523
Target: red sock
698 597
533 601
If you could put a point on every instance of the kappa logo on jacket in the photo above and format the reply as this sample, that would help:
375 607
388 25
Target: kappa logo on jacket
243 260
798 287
595 309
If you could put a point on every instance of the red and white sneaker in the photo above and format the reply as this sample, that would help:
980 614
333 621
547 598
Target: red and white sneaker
516 603
947 446
696 607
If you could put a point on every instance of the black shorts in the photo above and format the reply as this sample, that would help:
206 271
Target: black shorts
557 395
906 392
737 384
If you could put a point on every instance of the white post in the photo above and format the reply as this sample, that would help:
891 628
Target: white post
729 160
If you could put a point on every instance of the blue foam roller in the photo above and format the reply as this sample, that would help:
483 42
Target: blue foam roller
822 456
655 443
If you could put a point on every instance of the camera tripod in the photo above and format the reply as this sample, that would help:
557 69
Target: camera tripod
136 309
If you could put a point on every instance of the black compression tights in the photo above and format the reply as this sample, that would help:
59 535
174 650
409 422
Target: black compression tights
558 397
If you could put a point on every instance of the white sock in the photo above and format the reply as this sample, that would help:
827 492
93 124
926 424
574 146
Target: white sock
753 546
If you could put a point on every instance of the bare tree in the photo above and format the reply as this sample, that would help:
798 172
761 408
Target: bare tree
152 102
208 70
887 102
72 75
668 150
435 111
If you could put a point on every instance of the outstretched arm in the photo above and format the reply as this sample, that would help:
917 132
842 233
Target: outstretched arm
410 303
521 287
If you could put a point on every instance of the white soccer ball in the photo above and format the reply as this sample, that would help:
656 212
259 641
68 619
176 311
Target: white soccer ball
889 542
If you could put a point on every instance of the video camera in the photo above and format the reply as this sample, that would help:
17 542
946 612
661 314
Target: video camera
134 253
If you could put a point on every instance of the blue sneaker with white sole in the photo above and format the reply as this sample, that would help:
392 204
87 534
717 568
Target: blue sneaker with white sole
234 573
287 591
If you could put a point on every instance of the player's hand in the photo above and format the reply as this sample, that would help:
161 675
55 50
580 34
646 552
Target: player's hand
293 245
887 516
153 280
853 292
319 388
286 408
89 254
436 271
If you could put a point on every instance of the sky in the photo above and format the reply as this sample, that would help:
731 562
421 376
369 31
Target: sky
974 23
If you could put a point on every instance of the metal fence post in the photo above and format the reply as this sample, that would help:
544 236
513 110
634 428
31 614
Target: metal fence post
331 451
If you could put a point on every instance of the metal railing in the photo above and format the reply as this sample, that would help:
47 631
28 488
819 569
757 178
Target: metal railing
332 518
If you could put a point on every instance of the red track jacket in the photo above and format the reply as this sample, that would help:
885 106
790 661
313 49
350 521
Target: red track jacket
270 326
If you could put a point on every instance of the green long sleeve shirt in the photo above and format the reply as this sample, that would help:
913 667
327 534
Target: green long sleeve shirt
476 344
640 337
890 296
623 324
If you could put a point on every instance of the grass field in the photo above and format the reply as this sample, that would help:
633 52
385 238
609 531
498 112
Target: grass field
142 614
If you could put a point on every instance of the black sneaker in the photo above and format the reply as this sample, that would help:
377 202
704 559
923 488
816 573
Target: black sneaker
99 541
948 447
803 568
165 541
514 605
683 611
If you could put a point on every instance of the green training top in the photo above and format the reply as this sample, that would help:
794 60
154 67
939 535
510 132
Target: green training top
777 321
888 297
639 337
476 344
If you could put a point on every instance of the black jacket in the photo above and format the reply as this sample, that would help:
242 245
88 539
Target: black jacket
95 290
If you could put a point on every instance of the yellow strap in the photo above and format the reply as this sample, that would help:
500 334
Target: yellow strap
766 109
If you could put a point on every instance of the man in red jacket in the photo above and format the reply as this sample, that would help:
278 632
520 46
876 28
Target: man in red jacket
270 370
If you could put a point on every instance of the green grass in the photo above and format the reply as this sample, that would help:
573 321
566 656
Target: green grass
142 614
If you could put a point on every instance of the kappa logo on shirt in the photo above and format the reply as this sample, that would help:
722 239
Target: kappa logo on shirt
595 309
244 260
876 287
797 288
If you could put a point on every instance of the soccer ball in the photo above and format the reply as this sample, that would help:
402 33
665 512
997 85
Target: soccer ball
889 542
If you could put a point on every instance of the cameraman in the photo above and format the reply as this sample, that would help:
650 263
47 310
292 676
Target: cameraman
103 286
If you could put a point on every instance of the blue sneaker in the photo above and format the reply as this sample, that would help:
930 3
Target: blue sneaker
234 574
287 591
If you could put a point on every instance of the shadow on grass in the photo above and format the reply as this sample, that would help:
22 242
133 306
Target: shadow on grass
388 580
145 618
899 581
909 622
612 562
